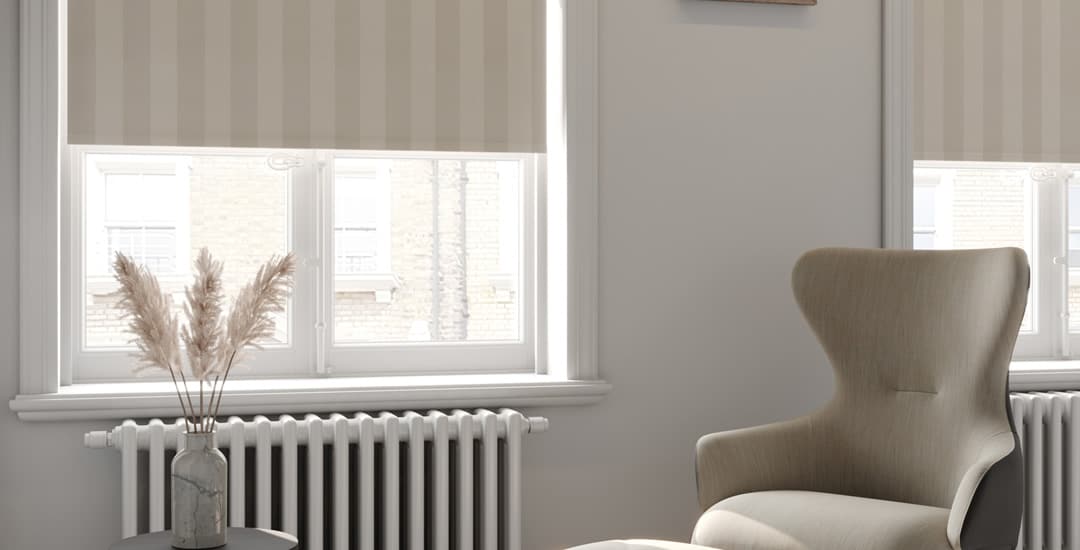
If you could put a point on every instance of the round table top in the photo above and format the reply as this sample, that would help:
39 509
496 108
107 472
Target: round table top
239 539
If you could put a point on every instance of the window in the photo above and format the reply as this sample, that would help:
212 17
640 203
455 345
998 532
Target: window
426 249
426 207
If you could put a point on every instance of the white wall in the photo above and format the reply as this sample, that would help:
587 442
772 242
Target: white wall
735 136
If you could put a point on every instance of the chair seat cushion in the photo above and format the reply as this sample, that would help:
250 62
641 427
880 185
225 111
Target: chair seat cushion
805 520
638 545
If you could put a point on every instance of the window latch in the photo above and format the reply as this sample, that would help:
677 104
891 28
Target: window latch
1060 260
1044 174
284 161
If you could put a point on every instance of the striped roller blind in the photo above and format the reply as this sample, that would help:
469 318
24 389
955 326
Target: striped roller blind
997 80
425 75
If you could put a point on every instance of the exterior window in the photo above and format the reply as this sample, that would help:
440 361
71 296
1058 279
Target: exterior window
136 205
361 218
141 226
152 246
1073 243
1074 223
925 200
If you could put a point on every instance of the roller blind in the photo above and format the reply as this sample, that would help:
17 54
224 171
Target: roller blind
431 75
997 80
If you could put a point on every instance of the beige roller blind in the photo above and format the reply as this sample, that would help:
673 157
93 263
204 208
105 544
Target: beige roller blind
424 75
997 80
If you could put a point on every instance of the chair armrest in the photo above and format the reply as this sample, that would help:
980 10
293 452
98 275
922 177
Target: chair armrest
773 456
990 497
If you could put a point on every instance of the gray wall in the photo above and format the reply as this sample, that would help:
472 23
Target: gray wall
734 136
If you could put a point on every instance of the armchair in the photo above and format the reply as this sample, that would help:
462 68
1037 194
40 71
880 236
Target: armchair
917 449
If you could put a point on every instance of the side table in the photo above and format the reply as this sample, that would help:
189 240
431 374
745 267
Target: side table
239 539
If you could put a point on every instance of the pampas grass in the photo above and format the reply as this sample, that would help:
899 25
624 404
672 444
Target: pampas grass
213 342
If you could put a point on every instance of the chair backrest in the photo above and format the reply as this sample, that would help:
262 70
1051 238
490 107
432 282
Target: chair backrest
920 342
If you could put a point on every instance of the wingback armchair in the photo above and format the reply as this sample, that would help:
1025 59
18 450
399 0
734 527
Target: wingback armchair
917 449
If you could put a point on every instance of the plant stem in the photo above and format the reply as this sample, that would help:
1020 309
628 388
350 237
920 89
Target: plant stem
187 423
213 390
221 390
188 393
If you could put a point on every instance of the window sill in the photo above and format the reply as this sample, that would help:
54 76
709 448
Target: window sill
313 395
1040 375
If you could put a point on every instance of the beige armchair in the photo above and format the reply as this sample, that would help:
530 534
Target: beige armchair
917 449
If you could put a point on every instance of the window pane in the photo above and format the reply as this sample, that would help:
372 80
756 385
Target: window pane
978 205
925 209
356 202
154 247
1074 248
235 205
1074 257
136 197
924 241
356 250
445 241
1074 205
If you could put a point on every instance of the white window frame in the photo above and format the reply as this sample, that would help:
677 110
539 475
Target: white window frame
432 358
1030 370
82 365
566 369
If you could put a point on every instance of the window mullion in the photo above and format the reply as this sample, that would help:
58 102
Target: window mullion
321 261
1049 265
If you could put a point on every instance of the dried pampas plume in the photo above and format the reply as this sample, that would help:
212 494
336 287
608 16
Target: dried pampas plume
212 345
202 335
151 321
149 311
251 318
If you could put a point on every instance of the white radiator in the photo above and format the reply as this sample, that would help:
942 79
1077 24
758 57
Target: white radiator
327 480
1049 427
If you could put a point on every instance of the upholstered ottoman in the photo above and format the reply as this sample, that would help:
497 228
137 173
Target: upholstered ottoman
638 545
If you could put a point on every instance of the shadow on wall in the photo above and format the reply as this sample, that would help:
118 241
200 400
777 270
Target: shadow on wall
743 14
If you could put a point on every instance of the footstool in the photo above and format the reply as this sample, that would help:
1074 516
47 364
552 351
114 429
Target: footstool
638 545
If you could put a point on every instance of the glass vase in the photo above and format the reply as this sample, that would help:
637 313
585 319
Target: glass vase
199 493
